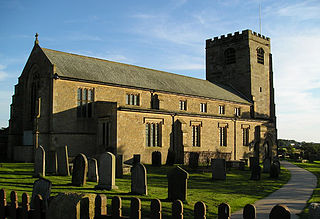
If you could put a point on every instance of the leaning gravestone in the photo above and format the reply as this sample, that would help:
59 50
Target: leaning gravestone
51 162
41 187
139 179
266 165
80 170
256 172
219 170
119 166
274 171
156 158
71 205
63 162
93 170
193 159
177 184
107 171
39 162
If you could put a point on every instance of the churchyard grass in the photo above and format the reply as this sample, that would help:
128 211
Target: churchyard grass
237 190
315 169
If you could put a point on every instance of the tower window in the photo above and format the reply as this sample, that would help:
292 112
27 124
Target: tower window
85 99
183 105
196 135
230 56
221 109
153 134
203 107
260 56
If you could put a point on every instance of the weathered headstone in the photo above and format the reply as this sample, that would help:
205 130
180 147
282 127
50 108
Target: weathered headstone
93 170
170 157
136 159
252 162
193 159
139 179
63 161
156 158
219 170
280 211
41 187
177 184
256 172
39 162
314 211
119 166
107 171
224 211
274 171
51 162
200 210
80 170
71 205
266 165
249 211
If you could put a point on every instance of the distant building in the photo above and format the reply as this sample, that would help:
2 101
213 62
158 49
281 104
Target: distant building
94 105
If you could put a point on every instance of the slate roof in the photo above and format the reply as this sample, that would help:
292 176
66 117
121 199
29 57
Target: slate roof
99 70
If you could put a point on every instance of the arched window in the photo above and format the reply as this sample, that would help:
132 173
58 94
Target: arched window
260 56
230 56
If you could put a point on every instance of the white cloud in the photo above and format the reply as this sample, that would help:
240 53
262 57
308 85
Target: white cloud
3 73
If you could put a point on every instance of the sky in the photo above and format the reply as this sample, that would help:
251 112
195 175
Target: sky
170 35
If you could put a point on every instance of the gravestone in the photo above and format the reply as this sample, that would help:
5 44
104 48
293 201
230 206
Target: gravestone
136 159
39 162
41 187
119 166
280 211
249 212
256 172
314 211
274 171
156 158
277 162
252 162
80 170
177 184
139 179
266 165
224 211
51 162
71 205
93 170
219 170
170 158
63 161
107 172
193 159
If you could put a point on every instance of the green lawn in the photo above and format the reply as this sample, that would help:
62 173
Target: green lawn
237 190
315 169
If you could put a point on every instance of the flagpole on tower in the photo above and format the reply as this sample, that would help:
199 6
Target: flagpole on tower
260 18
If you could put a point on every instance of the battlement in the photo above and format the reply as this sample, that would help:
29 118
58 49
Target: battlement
236 36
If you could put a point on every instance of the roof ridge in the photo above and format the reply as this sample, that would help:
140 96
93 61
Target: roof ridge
105 60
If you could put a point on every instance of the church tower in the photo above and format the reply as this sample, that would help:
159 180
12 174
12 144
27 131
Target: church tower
243 61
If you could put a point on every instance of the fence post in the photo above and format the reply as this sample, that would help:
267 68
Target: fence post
224 211
249 212
280 211
200 210
116 207
135 208
25 206
100 205
3 203
38 206
14 205
155 208
177 209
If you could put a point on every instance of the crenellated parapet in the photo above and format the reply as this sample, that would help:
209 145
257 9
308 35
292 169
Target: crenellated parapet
245 34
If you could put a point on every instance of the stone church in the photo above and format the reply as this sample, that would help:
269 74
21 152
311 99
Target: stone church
94 105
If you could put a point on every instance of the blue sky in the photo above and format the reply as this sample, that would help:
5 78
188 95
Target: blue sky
170 35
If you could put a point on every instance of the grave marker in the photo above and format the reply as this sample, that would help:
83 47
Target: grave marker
39 162
156 158
107 171
219 171
63 162
80 170
41 187
93 170
177 184
139 179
